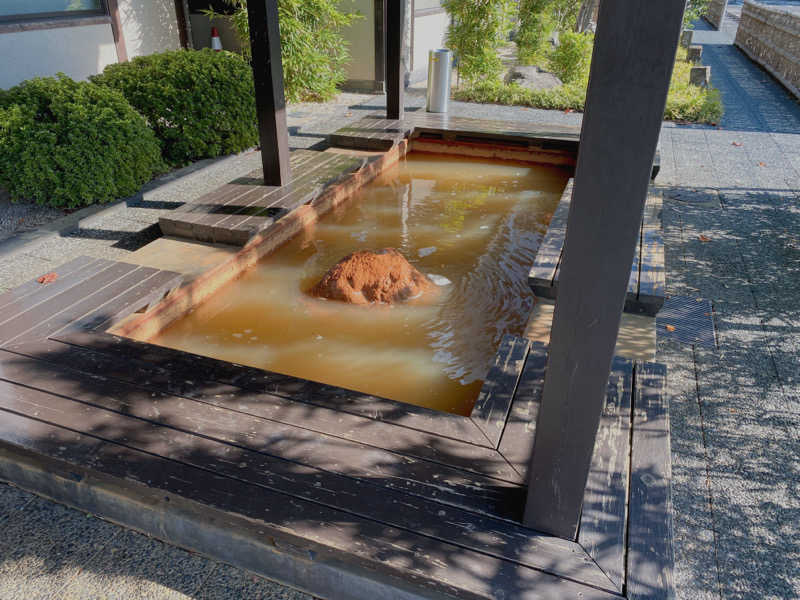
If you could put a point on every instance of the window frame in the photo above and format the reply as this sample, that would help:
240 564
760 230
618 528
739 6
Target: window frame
57 14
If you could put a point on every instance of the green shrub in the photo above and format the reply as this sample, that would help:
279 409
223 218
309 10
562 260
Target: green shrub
570 60
68 143
477 30
535 23
685 102
313 51
199 103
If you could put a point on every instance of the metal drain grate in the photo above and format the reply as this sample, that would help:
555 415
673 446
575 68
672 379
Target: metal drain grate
688 320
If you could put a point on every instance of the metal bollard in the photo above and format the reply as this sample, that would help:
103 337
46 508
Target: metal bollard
439 74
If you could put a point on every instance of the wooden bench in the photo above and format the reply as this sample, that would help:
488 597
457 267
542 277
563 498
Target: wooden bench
646 286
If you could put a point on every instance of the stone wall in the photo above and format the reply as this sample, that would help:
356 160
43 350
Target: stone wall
771 37
715 12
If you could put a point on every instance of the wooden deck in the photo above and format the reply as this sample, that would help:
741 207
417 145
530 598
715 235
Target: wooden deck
646 286
548 143
343 494
236 211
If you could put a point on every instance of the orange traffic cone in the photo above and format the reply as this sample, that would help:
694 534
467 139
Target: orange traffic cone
216 43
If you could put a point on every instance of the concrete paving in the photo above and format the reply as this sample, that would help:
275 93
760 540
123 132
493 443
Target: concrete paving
735 410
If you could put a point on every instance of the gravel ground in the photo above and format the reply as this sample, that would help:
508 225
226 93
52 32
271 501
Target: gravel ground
16 217
735 410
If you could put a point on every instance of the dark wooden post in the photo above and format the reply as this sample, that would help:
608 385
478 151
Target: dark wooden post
265 44
395 73
634 52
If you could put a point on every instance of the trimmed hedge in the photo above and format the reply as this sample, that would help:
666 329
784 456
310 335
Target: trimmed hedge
69 143
199 103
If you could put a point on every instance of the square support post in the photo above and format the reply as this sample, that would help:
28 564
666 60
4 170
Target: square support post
265 44
634 52
395 72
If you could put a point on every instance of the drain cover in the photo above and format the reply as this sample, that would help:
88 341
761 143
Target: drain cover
688 320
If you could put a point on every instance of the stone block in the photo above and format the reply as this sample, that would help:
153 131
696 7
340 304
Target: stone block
686 37
695 54
700 76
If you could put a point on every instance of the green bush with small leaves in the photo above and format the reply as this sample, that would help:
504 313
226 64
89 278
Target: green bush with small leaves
685 102
571 59
313 51
477 30
67 144
535 23
199 103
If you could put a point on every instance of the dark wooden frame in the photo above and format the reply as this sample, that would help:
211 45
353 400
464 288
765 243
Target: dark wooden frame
395 71
625 102
60 14
265 45
116 31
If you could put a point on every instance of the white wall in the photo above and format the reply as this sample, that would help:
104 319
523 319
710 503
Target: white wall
361 36
149 26
77 51
429 34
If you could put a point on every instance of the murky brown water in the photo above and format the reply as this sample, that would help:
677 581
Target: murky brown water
473 225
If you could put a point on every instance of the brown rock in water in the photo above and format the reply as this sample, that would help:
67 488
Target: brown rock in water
366 277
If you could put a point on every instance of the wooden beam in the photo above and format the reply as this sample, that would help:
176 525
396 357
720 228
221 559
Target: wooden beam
265 44
634 53
116 31
395 71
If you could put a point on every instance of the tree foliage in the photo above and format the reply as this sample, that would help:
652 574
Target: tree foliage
477 30
313 50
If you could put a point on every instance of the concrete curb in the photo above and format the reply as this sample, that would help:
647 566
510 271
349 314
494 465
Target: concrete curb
26 241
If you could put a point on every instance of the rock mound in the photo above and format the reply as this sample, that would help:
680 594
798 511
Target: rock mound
532 78
367 277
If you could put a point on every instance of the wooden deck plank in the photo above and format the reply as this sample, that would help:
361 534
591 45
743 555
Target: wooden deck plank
190 367
30 287
646 282
29 296
652 284
140 296
542 277
650 555
87 304
516 443
497 392
229 419
304 529
61 300
369 499
603 525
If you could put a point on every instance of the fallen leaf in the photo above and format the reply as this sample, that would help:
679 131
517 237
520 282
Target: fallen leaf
703 238
706 314
669 327
348 114
48 278
567 111
698 299
762 164
737 144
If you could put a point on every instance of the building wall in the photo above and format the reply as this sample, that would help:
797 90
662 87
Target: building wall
361 37
715 13
81 47
771 37
149 26
77 51
430 32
